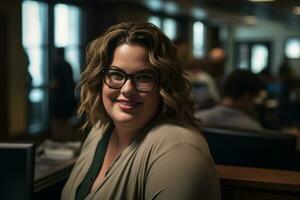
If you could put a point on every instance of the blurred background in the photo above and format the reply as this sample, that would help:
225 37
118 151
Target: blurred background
255 35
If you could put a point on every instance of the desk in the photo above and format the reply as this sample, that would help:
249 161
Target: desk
50 177
257 183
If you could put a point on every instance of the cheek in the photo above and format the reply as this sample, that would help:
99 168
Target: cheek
153 101
104 93
107 95
108 92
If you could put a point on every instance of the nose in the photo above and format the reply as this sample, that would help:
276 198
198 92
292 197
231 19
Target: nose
128 88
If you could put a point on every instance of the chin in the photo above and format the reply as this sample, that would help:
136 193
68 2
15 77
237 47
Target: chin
124 117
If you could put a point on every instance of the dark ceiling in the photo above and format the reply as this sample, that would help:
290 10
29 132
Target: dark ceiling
226 11
279 10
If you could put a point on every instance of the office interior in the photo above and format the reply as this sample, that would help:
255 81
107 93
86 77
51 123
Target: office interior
255 36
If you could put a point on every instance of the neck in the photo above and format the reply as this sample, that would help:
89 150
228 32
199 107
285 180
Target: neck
123 136
231 103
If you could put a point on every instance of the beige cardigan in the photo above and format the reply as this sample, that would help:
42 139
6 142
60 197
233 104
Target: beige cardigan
170 162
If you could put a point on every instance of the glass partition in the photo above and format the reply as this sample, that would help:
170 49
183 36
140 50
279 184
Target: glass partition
35 43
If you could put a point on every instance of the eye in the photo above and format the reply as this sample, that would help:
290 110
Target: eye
115 75
144 78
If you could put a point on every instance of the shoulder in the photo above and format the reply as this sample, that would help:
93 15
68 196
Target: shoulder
172 132
207 112
247 122
167 137
176 154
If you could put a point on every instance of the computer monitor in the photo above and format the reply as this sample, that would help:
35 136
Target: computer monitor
16 171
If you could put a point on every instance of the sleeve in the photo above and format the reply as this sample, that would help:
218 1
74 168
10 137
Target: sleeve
183 172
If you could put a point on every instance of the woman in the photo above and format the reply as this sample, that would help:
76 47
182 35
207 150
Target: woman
145 142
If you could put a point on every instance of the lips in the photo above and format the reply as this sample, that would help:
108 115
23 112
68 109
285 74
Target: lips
127 104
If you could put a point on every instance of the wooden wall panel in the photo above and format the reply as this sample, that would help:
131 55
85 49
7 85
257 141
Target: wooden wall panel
3 78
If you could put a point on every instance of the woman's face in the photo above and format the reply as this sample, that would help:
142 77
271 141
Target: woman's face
127 106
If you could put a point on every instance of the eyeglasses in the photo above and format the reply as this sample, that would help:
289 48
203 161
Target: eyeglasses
144 81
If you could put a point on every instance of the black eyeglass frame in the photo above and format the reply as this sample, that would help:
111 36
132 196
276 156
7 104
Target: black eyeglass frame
129 76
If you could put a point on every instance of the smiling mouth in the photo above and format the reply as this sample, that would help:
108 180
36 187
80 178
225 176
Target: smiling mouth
128 105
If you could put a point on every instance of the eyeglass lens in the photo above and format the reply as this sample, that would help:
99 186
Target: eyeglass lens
143 81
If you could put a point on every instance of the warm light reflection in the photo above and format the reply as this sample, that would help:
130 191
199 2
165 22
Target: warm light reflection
296 10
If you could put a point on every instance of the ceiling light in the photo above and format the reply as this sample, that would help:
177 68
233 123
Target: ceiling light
261 0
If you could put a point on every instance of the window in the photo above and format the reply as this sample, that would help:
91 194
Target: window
167 25
155 20
243 61
35 39
170 28
255 56
259 58
292 48
67 23
35 43
198 39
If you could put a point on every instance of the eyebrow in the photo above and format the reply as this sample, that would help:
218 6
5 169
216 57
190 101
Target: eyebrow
143 70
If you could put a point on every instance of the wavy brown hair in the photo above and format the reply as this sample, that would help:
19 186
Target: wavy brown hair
174 88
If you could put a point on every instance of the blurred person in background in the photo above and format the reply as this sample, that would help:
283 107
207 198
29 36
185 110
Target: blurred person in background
237 104
62 96
28 84
204 88
289 98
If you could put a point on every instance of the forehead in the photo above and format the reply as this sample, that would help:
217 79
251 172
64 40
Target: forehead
131 58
